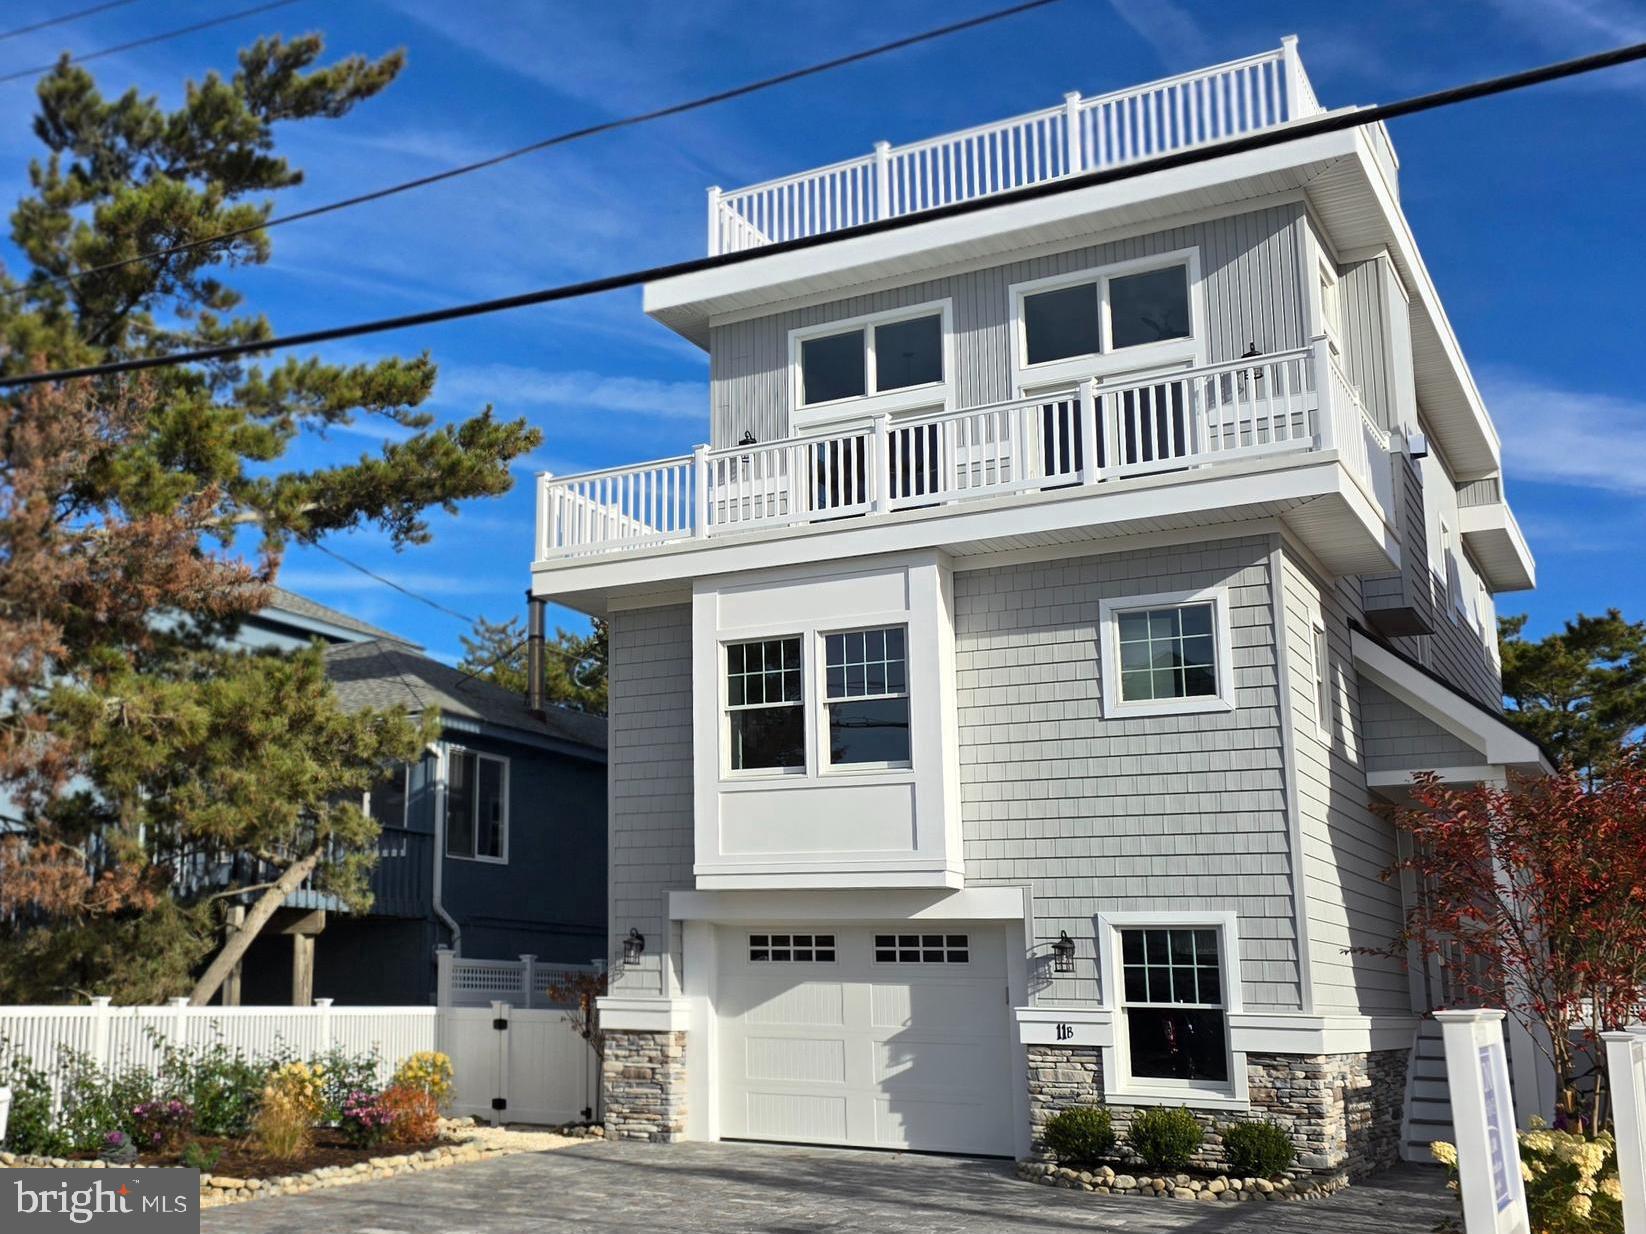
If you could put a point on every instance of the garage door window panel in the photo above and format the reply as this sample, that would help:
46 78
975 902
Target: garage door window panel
780 948
922 949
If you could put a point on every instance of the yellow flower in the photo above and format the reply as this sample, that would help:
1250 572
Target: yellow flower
1443 1152
1538 1123
1537 1142
1579 1206
1526 1171
1612 1188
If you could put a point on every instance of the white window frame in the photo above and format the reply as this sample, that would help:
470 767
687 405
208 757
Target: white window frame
1168 353
1118 1082
807 692
1109 611
454 752
405 799
1320 656
935 396
820 650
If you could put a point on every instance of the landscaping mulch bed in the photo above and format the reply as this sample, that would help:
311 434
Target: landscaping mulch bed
242 1159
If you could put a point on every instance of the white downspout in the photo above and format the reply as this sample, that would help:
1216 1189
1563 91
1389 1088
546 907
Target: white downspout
439 751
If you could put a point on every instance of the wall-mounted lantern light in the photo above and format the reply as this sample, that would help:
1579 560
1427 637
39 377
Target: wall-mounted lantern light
1063 953
634 946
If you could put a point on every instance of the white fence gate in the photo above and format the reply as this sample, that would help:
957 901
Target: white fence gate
520 1065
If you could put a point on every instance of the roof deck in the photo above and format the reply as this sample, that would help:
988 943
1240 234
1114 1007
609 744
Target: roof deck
1081 135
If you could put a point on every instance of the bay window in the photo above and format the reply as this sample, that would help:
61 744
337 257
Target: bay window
867 697
765 705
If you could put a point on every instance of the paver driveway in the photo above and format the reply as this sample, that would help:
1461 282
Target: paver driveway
698 1188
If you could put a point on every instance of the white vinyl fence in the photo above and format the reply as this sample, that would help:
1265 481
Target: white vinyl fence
511 1065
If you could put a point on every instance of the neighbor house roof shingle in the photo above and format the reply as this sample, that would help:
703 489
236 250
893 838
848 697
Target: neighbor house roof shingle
302 606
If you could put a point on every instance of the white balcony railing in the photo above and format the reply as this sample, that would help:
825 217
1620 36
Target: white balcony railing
1084 134
1086 435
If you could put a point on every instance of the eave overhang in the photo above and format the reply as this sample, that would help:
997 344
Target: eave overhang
1498 546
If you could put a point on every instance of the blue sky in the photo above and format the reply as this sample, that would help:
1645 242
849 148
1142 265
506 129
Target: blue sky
1527 208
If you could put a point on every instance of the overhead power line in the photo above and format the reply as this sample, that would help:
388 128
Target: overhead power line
559 139
149 39
65 18
1051 188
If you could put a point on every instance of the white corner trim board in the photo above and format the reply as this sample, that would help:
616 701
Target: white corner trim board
643 1015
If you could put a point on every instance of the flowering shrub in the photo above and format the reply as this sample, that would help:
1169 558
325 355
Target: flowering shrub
283 1127
1571 1180
365 1119
161 1126
416 1117
430 1071
302 1086
117 1148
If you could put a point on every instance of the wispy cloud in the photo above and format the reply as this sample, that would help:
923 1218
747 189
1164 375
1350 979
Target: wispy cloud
1573 27
1567 436
428 582
1173 33
510 385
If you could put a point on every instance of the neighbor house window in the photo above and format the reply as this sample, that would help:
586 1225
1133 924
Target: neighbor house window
884 354
791 949
477 807
1106 313
765 705
866 689
922 948
1173 1002
386 800
1323 682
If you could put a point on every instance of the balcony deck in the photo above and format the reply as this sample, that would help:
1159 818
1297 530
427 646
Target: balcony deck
1083 134
1283 408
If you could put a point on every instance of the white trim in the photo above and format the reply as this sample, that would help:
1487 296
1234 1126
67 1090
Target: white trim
1320 665
814 906
1402 777
937 394
1065 1026
1106 360
1116 708
1260 1032
640 1014
503 858
1118 1084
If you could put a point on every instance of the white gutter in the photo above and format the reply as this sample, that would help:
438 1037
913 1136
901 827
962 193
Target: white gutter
439 751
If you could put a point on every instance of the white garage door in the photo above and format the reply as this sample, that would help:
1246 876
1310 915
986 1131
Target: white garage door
884 1036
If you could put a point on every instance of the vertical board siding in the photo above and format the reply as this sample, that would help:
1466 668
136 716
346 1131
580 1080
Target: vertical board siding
1346 846
649 783
1398 737
1366 341
1250 268
1148 813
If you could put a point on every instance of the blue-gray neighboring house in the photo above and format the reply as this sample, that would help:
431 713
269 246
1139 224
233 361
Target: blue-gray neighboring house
493 843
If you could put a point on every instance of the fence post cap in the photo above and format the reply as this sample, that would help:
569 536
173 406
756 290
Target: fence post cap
322 1002
180 1000
527 959
101 1000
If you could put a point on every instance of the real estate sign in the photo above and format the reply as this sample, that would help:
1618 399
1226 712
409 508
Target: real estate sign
1483 1117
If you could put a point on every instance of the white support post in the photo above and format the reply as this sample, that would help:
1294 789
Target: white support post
881 444
100 1014
883 179
528 980
714 220
1626 1074
1325 400
322 1010
443 977
1483 1118
1088 432
1073 150
548 522
1294 76
179 1020
500 1021
700 472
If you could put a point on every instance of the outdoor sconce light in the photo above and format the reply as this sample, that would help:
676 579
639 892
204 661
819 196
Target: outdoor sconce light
1063 953
634 946
748 438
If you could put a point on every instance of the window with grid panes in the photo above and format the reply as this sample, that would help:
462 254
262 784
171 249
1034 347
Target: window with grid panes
1167 653
1173 1001
765 705
791 948
866 692
922 948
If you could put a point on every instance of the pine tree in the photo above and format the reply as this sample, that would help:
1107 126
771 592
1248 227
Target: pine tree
1580 691
574 665
137 752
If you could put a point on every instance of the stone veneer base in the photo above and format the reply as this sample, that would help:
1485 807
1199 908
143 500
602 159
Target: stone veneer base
1343 1111
643 1085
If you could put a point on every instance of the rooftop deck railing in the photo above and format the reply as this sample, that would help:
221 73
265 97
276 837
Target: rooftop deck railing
1286 402
1084 134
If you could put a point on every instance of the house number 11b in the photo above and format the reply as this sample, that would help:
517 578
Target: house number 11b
1065 1032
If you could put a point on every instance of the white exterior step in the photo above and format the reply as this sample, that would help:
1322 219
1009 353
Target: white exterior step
1428 1100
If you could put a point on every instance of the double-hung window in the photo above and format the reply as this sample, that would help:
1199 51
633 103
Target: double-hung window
765 705
866 688
1323 681
477 806
1173 999
1101 313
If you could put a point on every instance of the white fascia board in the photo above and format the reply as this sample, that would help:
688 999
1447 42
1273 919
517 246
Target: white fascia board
1065 1026
844 878
970 904
1459 716
1494 536
1257 1032
1281 478
632 1014
1006 227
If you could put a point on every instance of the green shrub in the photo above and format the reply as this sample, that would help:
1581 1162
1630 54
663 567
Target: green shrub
1257 1149
30 1128
202 1157
1079 1136
1164 1139
96 1102
222 1088
344 1075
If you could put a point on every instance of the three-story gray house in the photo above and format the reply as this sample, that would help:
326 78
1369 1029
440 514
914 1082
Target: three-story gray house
1000 698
